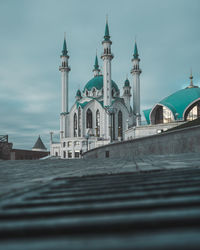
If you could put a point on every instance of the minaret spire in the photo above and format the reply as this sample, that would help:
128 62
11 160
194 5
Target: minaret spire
135 55
136 71
107 35
64 69
64 51
96 69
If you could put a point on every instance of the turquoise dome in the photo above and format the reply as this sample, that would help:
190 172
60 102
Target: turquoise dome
97 82
127 83
178 102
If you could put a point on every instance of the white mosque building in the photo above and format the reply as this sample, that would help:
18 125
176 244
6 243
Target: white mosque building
99 115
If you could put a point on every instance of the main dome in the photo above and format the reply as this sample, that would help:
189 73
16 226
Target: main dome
97 82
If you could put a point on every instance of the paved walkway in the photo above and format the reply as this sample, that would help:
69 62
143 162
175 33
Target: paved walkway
151 203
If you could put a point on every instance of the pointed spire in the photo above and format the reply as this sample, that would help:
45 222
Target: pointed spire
64 51
96 64
135 55
107 35
96 69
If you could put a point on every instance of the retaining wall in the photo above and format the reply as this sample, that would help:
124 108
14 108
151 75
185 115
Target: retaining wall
185 140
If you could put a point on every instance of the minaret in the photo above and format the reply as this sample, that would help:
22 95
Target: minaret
64 68
96 69
136 71
127 94
107 56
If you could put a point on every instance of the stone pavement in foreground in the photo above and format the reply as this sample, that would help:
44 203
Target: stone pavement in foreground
151 202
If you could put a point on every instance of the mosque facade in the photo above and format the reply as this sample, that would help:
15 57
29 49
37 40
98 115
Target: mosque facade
99 115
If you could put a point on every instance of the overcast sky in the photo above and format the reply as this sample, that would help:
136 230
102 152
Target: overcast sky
31 38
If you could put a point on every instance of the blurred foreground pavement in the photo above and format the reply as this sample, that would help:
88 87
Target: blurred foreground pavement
152 202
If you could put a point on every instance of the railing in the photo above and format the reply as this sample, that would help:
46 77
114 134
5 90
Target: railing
3 138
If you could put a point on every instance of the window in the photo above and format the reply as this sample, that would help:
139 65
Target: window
75 125
94 92
159 115
76 143
89 119
77 154
163 115
56 153
79 122
97 123
69 154
167 115
193 112
120 124
64 144
69 143
64 154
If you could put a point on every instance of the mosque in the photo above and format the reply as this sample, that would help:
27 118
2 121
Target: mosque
101 116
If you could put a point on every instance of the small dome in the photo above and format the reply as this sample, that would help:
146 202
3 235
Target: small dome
127 83
97 82
78 93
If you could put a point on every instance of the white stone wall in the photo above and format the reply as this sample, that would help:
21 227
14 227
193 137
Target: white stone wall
142 131
55 149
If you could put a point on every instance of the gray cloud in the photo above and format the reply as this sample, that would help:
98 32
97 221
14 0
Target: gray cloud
31 41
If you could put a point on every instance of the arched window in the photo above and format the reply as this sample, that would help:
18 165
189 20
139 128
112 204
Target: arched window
89 119
193 112
86 93
79 122
163 115
75 125
97 123
120 124
94 92
159 115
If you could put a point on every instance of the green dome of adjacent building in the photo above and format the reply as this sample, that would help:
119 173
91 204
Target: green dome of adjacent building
180 100
97 82
178 103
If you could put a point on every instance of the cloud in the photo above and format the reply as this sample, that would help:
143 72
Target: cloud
31 43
